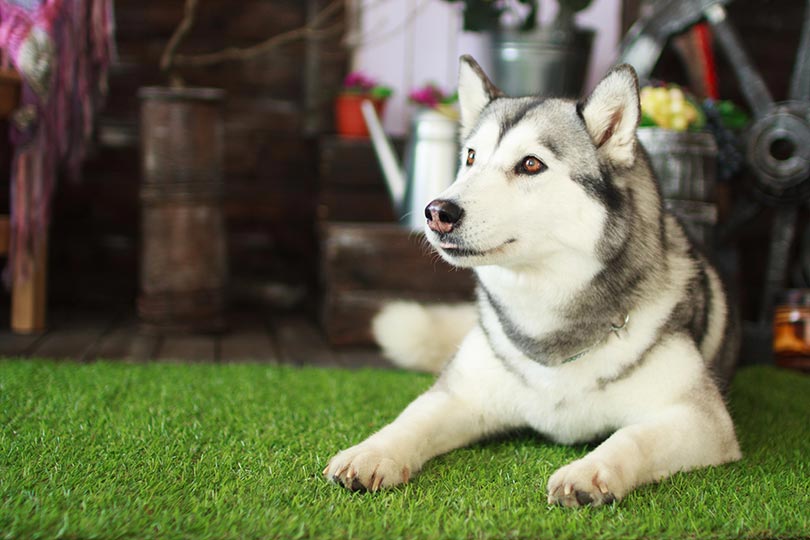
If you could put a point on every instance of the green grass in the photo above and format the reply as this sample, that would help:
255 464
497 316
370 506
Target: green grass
235 451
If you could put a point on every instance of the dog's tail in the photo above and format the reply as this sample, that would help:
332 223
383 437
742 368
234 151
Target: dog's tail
422 337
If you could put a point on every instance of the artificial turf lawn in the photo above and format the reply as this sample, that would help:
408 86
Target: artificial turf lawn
109 450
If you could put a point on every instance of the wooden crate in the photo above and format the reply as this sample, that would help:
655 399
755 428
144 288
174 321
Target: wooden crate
351 183
366 265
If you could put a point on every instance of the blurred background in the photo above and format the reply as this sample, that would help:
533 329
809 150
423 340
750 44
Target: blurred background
285 199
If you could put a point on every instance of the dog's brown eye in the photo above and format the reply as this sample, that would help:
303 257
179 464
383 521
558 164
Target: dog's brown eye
470 157
530 165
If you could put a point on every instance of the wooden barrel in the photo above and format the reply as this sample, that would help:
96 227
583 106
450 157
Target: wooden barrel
183 249
685 164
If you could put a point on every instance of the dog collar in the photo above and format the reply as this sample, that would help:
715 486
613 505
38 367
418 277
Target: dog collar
615 329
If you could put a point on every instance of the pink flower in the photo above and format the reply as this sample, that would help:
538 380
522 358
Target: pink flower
429 95
358 80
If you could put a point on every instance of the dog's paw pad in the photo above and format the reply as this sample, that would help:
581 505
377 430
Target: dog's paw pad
584 483
365 469
583 498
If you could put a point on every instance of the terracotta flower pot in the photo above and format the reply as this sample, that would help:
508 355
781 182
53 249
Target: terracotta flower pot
348 116
9 91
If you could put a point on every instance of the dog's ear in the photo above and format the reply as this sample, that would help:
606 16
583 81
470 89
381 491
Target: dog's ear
612 113
475 91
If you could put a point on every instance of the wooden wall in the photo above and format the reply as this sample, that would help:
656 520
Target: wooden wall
275 109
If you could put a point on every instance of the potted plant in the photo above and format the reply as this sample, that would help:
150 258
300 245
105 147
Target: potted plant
431 97
529 60
491 16
358 87
681 137
183 283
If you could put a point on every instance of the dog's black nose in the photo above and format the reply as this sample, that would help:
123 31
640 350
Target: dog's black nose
443 215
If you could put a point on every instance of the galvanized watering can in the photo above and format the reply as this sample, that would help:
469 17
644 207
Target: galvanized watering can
431 162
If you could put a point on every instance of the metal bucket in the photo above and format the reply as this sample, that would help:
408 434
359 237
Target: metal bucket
546 62
183 248
685 164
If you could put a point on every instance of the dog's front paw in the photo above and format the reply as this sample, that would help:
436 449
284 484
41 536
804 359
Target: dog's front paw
586 481
363 467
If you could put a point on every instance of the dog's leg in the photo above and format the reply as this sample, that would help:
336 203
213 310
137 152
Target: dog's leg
470 400
682 437
435 423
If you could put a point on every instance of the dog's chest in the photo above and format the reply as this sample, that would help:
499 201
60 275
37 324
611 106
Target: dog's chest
568 403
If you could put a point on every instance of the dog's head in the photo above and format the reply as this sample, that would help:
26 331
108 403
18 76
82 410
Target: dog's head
533 178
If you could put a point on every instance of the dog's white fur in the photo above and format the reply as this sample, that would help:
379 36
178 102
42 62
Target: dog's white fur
401 328
663 414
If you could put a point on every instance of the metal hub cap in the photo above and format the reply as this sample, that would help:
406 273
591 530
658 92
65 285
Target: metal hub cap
779 146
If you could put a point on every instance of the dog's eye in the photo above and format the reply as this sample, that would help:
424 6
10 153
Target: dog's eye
530 165
470 156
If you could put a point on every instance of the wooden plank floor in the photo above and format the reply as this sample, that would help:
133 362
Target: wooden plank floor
86 337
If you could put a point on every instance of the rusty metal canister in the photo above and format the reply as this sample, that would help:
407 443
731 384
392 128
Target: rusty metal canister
791 329
184 266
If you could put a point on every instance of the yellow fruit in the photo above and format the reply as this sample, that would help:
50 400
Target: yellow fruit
679 123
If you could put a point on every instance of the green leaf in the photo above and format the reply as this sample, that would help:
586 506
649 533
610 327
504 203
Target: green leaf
381 92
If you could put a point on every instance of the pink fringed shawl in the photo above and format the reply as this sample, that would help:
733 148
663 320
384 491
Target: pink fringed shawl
62 49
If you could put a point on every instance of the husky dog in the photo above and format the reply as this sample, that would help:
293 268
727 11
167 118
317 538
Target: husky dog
596 317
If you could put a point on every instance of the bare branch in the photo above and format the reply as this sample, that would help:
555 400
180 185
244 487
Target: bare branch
189 14
310 30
